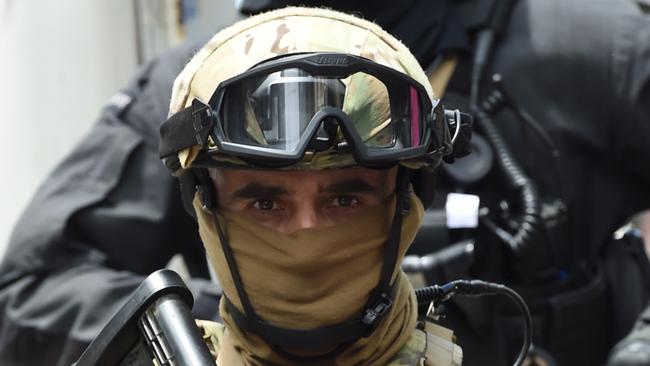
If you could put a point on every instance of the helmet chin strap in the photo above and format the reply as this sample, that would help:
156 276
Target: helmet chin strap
336 337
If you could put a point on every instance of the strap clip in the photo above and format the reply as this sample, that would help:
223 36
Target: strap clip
201 121
404 206
373 314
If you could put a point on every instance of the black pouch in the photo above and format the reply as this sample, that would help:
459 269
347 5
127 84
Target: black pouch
579 330
570 327
627 270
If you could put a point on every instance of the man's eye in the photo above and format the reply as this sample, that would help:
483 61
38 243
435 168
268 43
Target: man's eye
264 205
345 201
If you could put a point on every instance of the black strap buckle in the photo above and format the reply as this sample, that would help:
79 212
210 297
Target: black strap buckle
404 204
374 314
201 121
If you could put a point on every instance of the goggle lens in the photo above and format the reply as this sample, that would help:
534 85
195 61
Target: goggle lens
273 111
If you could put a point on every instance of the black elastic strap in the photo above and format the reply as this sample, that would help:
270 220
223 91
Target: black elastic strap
307 360
186 128
234 270
176 133
321 338
391 249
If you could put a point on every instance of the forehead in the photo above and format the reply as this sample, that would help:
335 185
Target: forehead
300 177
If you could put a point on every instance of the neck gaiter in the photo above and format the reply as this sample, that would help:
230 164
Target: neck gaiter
314 278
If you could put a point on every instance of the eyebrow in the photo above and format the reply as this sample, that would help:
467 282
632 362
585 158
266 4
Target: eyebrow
354 185
256 190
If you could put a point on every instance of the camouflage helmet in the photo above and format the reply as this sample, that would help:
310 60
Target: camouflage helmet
291 30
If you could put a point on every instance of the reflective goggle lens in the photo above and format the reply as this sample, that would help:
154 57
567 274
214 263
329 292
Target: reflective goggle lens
273 111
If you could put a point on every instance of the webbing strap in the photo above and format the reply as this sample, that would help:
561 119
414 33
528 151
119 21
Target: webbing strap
186 128
321 338
391 249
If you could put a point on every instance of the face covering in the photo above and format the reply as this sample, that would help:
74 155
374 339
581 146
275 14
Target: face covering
313 278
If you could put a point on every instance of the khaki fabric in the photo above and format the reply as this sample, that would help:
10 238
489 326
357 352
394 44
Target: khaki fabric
422 348
315 278
440 76
235 49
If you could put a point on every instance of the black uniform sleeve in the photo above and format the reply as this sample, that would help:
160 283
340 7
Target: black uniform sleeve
631 118
107 216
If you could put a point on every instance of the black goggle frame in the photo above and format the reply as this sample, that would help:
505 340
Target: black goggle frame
435 140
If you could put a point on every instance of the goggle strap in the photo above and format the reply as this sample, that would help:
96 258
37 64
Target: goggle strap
186 128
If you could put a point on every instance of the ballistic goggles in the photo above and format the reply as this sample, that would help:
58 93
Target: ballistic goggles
278 110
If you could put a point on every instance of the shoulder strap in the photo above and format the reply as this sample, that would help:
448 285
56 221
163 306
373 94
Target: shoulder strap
441 349
212 334
413 352
432 346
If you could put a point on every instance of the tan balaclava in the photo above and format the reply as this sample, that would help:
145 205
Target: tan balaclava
313 278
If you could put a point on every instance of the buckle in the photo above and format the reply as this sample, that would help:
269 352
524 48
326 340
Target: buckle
201 121
374 313
206 202
404 204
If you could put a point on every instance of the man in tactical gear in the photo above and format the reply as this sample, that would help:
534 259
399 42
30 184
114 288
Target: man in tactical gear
296 135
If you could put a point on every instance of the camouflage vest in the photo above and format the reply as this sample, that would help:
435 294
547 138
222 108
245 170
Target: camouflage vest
430 345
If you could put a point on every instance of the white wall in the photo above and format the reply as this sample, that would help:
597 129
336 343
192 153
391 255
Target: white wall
60 61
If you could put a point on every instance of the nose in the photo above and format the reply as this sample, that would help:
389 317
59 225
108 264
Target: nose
306 216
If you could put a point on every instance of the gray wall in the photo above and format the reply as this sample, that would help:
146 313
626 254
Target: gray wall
60 62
